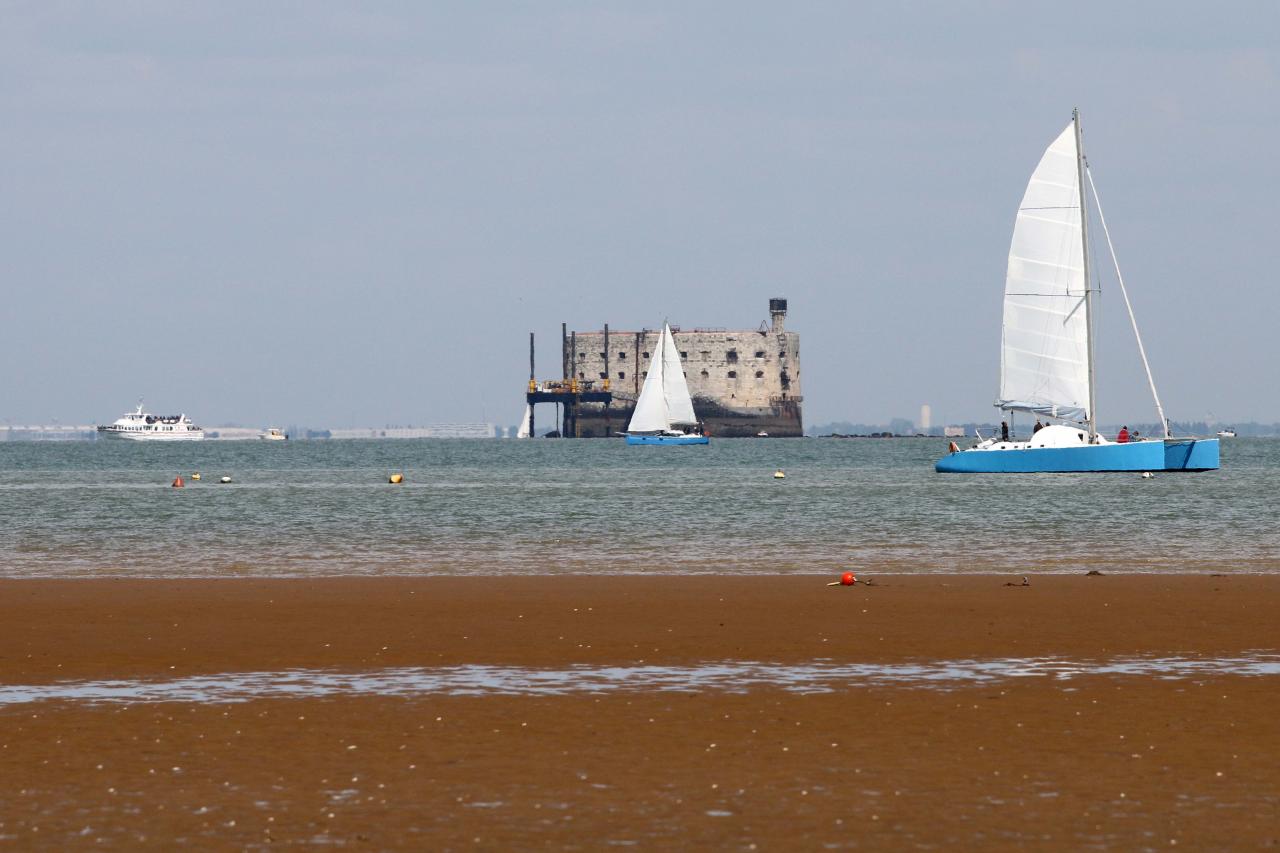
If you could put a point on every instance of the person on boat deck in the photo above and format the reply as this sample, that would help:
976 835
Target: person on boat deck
1039 426
1122 436
1004 430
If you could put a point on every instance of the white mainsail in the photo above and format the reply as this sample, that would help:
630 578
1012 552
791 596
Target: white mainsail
526 425
674 386
1044 361
664 399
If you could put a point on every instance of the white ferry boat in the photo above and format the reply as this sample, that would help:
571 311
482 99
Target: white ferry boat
273 434
141 426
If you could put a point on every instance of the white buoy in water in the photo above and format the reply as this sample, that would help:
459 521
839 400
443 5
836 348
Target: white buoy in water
1147 475
225 480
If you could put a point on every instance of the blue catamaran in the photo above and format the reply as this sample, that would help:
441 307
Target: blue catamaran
664 404
1046 360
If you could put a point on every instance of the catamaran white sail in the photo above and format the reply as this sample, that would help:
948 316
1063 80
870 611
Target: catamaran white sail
526 425
1046 357
664 404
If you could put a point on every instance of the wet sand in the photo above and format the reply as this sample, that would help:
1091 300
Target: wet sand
1126 762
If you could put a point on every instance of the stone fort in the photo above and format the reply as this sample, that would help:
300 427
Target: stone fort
743 382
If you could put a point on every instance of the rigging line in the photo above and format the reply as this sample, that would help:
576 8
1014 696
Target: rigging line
1142 351
1056 207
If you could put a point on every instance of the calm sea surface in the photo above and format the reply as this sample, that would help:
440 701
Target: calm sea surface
494 507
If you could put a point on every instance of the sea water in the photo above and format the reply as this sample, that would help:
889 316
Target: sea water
545 506
820 676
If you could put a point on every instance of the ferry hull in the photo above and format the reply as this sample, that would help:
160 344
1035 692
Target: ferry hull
124 436
668 439
1173 455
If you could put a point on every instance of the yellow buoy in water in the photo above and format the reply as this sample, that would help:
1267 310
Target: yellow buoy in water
778 475
396 478
195 475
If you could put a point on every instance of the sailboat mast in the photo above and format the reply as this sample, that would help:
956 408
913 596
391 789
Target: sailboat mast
1088 286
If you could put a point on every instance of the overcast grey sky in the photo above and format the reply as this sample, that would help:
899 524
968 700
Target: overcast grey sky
343 214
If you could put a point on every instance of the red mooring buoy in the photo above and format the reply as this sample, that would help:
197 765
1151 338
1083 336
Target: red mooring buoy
177 482
848 579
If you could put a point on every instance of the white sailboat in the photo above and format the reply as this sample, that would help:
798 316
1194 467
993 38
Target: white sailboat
526 425
664 404
1047 354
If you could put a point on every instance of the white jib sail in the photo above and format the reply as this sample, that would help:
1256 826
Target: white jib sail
674 386
1044 353
650 414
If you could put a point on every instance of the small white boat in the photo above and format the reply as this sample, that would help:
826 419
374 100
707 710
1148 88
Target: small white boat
143 426
272 434
762 434
664 404
1227 433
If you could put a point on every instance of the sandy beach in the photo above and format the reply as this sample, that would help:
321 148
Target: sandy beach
1122 761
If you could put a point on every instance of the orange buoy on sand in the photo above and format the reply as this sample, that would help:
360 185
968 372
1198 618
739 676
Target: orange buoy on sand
177 482
848 579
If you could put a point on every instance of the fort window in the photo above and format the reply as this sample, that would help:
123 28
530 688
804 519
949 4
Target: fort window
622 356
733 374
786 380
622 374
646 355
603 356
582 355
782 354
604 375
759 353
731 356
582 375
759 374
706 375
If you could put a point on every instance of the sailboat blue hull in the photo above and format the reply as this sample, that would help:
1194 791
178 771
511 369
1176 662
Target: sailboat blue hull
668 439
1175 455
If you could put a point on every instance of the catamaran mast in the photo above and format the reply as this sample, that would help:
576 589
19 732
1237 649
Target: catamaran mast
1088 285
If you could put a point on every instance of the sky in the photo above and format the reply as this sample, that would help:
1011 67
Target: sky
339 214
